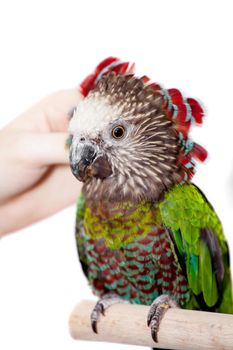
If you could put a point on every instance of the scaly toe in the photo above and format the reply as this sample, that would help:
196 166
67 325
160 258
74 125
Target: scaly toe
95 315
105 302
157 310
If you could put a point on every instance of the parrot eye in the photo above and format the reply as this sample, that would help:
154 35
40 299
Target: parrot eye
118 132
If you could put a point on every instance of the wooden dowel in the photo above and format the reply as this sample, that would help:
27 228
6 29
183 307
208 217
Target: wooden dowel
179 329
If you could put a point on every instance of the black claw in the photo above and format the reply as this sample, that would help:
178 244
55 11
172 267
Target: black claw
94 326
154 335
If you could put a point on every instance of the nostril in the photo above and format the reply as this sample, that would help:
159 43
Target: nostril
82 139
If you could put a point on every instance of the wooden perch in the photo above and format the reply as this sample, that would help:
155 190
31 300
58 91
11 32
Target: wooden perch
179 329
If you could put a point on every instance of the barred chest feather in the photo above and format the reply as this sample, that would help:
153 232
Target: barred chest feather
128 250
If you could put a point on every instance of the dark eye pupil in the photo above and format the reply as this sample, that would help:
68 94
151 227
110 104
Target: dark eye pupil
118 132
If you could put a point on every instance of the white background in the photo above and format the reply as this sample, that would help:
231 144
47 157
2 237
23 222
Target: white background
49 45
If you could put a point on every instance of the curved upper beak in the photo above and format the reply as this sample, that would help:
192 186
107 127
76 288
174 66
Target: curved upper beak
87 161
81 158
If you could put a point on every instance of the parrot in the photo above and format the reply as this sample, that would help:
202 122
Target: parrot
145 233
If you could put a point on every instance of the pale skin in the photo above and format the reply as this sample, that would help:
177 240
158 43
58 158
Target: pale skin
35 177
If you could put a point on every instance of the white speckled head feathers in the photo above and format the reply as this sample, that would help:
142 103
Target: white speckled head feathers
93 115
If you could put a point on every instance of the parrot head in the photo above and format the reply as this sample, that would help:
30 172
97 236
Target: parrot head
125 143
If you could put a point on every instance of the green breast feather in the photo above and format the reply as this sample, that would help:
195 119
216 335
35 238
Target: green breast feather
199 240
124 223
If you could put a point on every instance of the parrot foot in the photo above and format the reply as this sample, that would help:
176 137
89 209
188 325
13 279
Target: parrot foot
157 310
104 303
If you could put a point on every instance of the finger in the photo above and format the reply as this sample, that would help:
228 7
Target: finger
63 99
50 114
43 149
58 108
58 190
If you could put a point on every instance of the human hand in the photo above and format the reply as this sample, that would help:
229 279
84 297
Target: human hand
35 179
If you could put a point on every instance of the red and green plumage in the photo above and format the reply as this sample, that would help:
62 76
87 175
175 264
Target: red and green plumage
168 241
145 250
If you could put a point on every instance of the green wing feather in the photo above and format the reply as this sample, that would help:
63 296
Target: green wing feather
199 240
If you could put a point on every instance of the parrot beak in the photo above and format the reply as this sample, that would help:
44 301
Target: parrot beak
81 157
86 163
